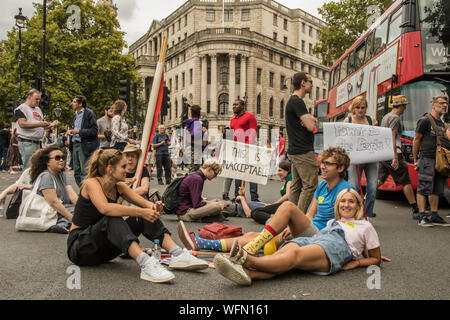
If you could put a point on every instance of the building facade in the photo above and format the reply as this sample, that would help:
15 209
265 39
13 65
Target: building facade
221 51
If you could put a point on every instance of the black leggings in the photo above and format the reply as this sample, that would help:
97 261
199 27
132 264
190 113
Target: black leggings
109 237
262 214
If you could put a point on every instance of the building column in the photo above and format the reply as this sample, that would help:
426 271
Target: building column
243 85
232 82
251 89
197 79
204 86
213 95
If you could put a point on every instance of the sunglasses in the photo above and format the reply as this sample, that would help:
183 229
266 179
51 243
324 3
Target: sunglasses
59 158
360 108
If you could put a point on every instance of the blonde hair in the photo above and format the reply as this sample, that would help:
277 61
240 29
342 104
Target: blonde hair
100 160
118 107
356 102
359 211
212 164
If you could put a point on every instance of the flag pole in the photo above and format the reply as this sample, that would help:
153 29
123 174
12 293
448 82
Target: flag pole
151 108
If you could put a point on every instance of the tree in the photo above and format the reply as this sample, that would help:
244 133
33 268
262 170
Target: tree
346 21
82 59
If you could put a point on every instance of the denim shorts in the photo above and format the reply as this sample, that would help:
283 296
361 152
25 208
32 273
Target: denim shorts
332 240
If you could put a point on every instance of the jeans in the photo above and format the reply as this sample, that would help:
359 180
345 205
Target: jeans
26 150
371 171
4 155
79 163
253 190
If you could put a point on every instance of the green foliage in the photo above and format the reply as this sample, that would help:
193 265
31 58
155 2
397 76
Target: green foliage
347 20
87 61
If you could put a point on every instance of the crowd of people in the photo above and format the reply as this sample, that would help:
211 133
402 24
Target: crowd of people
317 227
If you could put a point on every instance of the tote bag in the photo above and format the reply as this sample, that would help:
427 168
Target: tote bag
35 214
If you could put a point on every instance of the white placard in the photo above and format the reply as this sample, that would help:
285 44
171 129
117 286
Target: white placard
245 162
363 143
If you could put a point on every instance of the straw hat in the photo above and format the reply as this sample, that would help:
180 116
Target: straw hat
129 148
399 100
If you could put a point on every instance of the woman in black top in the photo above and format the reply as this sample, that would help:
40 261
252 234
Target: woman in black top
100 234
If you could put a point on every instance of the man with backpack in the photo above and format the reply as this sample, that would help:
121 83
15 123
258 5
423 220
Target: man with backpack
431 182
192 206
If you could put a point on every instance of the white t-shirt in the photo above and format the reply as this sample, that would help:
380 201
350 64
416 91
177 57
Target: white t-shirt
360 235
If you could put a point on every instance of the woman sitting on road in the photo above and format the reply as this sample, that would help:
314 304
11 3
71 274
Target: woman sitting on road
336 247
100 234
132 154
259 211
54 187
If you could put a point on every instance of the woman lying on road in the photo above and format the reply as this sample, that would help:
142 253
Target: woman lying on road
100 234
336 247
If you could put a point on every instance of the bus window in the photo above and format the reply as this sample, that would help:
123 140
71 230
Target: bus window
344 69
351 62
369 46
394 26
380 37
336 75
331 82
360 55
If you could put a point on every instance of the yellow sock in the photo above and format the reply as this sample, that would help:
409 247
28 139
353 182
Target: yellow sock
253 246
224 246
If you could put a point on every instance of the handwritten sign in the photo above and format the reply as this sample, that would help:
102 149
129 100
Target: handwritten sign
363 143
245 162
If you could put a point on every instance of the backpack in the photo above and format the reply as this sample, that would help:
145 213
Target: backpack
215 231
170 196
12 211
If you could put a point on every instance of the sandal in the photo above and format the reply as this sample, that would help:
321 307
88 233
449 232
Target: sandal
237 253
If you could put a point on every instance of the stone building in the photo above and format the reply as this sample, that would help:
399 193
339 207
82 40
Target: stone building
220 51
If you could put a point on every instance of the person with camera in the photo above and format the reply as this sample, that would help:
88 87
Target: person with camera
104 128
161 143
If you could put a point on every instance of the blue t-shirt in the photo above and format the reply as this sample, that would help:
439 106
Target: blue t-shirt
162 149
325 202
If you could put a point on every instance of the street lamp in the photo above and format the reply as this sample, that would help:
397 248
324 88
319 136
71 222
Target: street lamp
20 23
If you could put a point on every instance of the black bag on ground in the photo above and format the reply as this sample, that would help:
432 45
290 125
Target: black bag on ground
12 212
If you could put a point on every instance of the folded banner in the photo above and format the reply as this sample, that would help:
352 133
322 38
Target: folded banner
245 161
363 143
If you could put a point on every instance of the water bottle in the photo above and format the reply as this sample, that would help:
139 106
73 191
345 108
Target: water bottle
156 253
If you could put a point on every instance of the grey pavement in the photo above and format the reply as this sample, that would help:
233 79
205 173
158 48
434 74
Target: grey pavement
35 265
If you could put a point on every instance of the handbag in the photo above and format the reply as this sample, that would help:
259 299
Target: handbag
442 163
35 213
12 212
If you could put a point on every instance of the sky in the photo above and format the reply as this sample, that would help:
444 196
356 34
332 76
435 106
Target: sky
135 16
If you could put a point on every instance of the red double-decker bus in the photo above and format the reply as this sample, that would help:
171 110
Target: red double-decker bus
404 52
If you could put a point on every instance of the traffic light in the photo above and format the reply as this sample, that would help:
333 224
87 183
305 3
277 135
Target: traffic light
45 101
35 84
124 91
10 109
184 113
165 105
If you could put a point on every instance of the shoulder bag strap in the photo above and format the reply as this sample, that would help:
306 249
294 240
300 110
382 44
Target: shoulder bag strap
433 124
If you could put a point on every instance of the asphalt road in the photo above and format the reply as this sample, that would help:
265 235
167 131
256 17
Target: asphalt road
35 265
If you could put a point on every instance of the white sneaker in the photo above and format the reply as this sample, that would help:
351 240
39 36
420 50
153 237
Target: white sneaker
186 261
153 271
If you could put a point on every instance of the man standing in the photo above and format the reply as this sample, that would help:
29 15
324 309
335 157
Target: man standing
431 183
281 146
104 127
397 168
84 137
31 126
244 128
300 126
194 127
161 143
5 137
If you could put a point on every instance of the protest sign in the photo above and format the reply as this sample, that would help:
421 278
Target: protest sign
363 143
245 161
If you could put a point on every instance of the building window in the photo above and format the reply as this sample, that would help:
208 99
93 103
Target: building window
210 15
270 56
282 79
191 72
271 76
237 72
310 49
208 106
224 75
228 14
275 36
275 20
303 27
245 15
258 104
271 107
309 69
183 83
285 24
176 83
285 40
310 31
317 93
303 45
303 67
185 20
173 28
281 61
324 93
208 70
282 109
258 75
292 64
170 84
176 108
179 25
185 35
223 103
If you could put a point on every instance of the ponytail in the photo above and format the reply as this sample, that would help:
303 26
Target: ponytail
100 160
